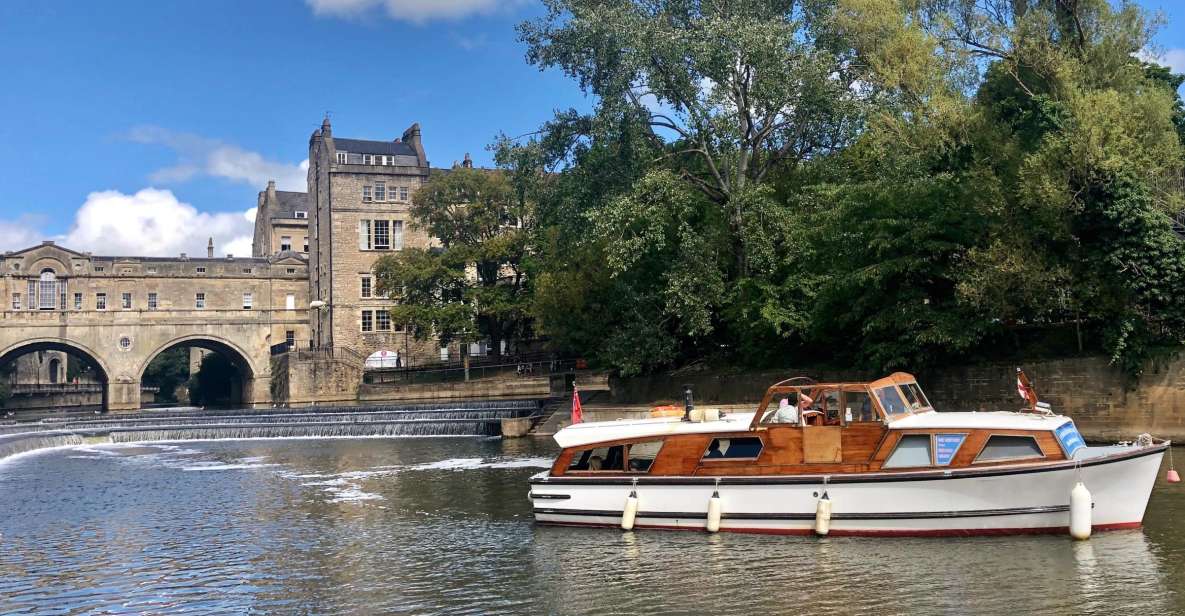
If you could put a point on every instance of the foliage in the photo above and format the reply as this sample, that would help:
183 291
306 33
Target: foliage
167 371
475 284
214 383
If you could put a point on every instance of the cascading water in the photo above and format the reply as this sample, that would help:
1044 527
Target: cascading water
448 419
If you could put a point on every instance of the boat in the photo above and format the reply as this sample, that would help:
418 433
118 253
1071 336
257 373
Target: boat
853 458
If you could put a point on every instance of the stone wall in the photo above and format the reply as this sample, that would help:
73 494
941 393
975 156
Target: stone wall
1105 404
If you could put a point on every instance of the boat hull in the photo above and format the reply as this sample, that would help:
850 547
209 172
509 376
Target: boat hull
1001 500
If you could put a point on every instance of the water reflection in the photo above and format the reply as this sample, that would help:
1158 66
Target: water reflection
443 525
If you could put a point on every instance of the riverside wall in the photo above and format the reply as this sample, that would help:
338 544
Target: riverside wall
1104 403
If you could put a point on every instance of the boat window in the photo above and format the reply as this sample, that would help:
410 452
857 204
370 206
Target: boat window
858 407
891 400
912 450
598 459
733 448
786 411
913 393
829 404
642 455
1006 447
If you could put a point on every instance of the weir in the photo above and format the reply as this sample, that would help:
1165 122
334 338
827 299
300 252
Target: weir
449 419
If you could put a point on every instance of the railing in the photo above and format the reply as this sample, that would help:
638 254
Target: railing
449 373
87 317
64 388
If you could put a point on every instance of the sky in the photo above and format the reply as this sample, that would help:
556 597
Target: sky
144 128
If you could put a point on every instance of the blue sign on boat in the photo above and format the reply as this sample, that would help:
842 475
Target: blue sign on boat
945 447
1070 439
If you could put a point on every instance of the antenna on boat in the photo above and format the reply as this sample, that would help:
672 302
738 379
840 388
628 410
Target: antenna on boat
687 404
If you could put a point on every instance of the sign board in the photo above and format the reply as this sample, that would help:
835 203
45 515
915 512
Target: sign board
946 446
1070 439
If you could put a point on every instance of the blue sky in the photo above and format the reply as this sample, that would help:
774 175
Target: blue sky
143 128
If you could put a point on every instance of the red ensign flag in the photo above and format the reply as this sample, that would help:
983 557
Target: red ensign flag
577 412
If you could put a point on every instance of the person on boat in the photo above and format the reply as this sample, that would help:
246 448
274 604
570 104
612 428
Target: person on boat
786 413
714 449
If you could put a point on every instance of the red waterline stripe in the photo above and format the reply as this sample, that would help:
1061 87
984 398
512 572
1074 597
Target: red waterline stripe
946 532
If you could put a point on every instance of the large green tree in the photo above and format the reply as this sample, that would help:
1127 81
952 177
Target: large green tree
474 285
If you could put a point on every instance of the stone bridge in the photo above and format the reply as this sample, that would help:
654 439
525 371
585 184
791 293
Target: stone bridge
120 313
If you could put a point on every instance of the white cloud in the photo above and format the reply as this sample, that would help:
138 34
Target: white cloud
414 11
151 223
1172 58
202 156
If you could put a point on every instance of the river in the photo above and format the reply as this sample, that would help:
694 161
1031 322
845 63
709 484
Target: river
442 525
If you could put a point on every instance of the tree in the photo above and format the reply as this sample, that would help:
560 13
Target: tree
167 371
475 284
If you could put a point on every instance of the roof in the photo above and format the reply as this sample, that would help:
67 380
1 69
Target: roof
288 203
601 431
998 420
362 146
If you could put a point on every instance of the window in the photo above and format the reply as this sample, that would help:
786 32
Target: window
364 235
341 158
380 191
641 455
734 448
368 159
100 301
199 300
598 459
248 301
302 214
366 194
99 268
306 244
47 291
397 234
151 270
443 353
913 393
858 407
367 320
891 400
78 301
403 193
912 450
285 242
201 269
290 302
382 319
291 270
1005 447
366 290
125 301
290 338
247 270
382 235
152 301
16 301
125 343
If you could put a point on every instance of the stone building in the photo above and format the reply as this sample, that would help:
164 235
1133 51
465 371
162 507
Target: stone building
359 199
281 222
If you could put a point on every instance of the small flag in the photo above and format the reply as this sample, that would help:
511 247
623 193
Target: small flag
1025 388
577 411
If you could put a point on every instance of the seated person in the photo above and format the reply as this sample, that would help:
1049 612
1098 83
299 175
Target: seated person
714 450
786 413
595 463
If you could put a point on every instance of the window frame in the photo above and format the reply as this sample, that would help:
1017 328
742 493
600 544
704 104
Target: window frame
199 300
380 192
342 157
366 194
285 242
153 300
16 301
380 320
760 450
248 300
366 287
367 324
100 300
78 301
125 300
929 439
988 441
386 225
625 457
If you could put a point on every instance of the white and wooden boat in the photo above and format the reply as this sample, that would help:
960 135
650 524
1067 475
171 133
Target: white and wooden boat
846 459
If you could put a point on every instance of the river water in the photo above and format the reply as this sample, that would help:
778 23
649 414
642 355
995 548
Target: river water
442 525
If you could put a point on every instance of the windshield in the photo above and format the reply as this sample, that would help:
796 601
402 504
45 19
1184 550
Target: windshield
891 400
917 399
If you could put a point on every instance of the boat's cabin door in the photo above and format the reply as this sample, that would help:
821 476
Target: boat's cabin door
822 427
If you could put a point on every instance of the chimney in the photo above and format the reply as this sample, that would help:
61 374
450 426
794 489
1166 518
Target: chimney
271 191
412 137
210 249
184 257
468 163
326 129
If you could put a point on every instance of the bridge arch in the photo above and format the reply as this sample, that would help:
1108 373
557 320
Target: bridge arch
70 347
237 356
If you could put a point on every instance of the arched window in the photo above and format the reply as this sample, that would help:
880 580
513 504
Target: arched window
55 366
47 294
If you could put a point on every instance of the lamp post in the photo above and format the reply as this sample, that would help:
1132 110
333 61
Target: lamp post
318 305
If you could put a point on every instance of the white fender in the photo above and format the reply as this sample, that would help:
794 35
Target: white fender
823 516
714 512
630 512
1080 512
